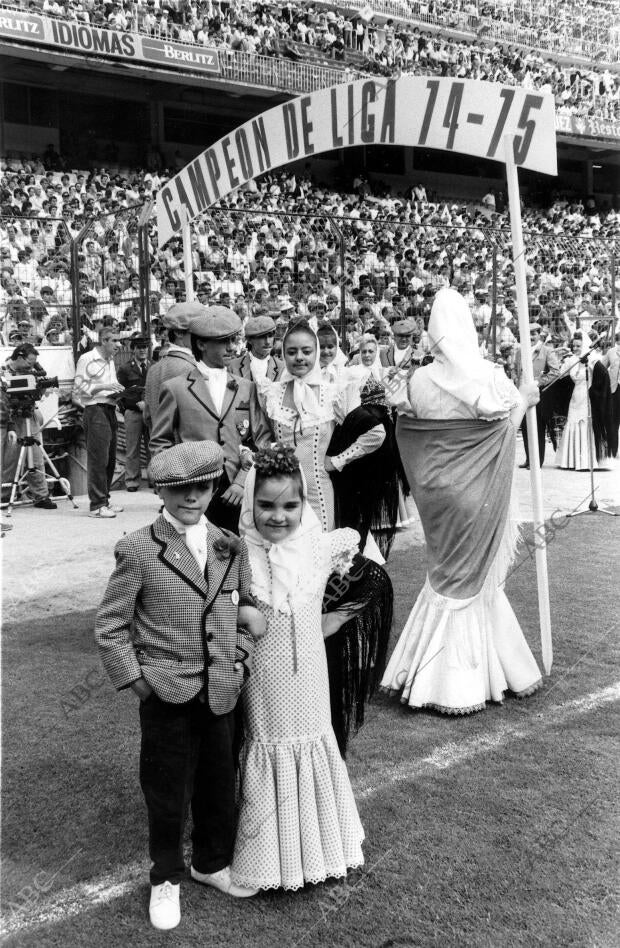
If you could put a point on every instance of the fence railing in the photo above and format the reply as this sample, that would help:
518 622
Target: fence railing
279 263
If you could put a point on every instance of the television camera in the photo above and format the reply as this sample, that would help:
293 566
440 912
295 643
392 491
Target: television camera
24 391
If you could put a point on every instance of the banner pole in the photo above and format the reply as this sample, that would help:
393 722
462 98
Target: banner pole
188 267
518 257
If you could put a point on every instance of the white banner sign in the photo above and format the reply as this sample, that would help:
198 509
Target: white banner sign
449 114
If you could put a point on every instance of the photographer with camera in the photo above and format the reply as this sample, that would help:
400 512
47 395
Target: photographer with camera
15 413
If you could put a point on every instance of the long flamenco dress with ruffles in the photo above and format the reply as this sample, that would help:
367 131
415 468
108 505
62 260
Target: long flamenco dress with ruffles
463 646
298 821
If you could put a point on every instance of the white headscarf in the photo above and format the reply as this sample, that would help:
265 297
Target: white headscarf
282 573
304 398
333 371
458 367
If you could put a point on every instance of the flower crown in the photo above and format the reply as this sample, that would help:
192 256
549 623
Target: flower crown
277 460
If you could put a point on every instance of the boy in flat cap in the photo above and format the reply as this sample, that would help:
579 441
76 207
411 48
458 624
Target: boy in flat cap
178 359
211 403
257 362
177 625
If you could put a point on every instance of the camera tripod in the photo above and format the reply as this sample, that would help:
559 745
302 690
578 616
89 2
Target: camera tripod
25 465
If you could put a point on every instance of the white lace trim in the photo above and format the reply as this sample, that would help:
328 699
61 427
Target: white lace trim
337 399
339 873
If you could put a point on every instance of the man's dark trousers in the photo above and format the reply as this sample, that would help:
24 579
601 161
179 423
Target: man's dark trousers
187 758
541 424
100 429
220 513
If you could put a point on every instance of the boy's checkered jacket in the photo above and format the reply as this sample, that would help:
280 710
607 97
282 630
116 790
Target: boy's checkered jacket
151 618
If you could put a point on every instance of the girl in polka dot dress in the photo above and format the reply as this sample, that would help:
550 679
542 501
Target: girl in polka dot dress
298 821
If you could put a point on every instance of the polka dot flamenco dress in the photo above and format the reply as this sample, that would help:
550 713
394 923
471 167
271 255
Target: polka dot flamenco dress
298 821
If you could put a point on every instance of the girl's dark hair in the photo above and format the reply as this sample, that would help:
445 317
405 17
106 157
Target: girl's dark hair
300 325
278 461
327 331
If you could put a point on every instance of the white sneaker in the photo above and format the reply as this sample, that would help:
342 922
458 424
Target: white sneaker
221 880
164 908
116 508
104 513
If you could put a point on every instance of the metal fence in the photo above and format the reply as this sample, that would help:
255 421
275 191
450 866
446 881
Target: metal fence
355 271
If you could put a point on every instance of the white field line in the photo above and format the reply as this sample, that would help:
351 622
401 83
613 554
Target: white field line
127 879
452 753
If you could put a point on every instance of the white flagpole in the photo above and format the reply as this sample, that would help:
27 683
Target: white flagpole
188 267
532 432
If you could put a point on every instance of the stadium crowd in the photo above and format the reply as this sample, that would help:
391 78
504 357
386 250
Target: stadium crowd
362 45
274 247
577 27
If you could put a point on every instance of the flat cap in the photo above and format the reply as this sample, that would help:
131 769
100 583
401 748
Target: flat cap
404 327
259 326
187 463
180 315
535 327
216 322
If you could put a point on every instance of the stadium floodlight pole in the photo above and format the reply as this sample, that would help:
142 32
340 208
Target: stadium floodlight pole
518 258
188 268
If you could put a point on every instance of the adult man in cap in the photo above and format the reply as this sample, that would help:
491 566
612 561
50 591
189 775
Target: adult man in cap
401 350
257 362
178 360
167 629
546 368
211 404
132 375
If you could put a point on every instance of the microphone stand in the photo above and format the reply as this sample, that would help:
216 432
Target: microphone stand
593 507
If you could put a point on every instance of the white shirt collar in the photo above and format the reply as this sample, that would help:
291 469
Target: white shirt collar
401 354
181 527
217 375
258 367
194 535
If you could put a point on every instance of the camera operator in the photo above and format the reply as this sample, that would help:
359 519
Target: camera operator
23 361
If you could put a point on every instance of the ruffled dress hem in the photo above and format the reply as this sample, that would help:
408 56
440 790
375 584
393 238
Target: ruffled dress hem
456 655
298 822
339 873
455 712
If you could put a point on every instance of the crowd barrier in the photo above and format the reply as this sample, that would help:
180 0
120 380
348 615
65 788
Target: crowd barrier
306 255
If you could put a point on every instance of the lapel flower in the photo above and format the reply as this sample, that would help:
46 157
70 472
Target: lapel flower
232 385
226 546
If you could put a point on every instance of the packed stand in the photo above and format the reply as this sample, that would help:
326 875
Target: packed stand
301 32
584 29
270 248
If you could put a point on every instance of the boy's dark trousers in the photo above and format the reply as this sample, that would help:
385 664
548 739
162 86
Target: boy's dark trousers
187 758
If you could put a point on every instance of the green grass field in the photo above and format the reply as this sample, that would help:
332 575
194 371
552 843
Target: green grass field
498 829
